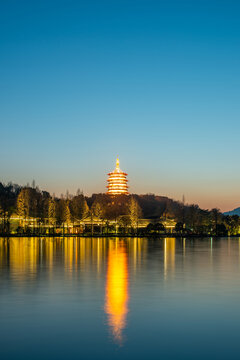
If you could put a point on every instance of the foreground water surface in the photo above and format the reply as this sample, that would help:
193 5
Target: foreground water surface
119 298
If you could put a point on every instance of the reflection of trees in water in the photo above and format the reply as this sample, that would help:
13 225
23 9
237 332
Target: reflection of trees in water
31 258
34 260
21 255
27 258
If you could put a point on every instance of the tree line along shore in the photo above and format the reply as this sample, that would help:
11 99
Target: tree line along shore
27 210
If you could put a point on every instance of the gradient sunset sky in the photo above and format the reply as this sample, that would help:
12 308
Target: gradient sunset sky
155 82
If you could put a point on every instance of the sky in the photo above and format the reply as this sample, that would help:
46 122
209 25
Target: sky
156 83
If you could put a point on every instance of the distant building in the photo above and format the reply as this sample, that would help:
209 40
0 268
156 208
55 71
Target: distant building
117 182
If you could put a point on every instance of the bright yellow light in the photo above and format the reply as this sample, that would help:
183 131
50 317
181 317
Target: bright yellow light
116 305
117 181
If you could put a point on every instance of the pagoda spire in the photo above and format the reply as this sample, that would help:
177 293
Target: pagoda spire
117 164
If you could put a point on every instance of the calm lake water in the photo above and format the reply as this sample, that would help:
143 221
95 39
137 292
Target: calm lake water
103 298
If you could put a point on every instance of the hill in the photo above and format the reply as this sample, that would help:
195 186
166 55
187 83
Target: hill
233 212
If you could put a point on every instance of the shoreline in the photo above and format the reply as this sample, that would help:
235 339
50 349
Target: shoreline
152 236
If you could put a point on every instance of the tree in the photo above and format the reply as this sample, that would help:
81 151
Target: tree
149 228
66 213
51 211
192 216
179 227
79 207
97 210
63 213
23 204
8 196
232 224
124 223
159 227
221 230
135 212
216 218
85 209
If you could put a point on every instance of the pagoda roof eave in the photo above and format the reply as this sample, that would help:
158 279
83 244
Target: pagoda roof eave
117 173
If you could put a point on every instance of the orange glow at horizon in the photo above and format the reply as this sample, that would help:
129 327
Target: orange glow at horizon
117 295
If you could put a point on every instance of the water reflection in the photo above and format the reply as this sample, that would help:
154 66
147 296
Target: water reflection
87 282
22 257
117 294
169 255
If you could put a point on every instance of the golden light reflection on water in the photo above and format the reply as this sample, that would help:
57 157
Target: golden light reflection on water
69 255
169 254
23 256
80 263
117 293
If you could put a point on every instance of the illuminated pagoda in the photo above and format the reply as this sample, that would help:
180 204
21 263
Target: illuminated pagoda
117 182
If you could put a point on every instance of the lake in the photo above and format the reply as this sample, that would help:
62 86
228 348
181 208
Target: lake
107 298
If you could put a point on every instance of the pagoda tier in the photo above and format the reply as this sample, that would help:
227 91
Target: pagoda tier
117 182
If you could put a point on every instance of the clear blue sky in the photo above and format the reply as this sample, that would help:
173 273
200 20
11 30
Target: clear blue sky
155 82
